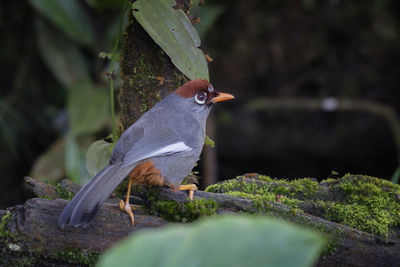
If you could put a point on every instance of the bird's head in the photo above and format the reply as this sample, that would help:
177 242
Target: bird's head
198 96
201 93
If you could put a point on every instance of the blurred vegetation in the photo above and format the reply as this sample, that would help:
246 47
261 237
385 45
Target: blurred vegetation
59 94
220 241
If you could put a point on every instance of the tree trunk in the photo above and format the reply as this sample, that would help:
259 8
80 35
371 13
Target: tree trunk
147 72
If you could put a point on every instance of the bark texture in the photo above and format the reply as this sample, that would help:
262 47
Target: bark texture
147 72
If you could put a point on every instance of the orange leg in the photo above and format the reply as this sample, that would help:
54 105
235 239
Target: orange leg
190 187
126 207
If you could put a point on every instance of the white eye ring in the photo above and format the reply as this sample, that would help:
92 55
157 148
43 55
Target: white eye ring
201 98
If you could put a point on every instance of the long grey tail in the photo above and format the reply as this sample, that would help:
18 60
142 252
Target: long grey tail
84 206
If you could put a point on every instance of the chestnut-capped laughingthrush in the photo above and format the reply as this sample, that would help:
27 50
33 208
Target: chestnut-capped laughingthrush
160 149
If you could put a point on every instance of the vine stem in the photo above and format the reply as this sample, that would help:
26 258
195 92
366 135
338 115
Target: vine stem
113 59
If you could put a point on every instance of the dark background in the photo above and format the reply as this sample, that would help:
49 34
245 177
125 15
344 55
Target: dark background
270 48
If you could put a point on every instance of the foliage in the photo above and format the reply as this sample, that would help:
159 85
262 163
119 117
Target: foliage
174 33
220 241
61 45
98 156
69 16
63 30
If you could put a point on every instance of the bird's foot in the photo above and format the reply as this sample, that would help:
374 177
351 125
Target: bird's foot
126 207
190 187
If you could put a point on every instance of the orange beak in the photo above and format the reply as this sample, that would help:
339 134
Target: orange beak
222 97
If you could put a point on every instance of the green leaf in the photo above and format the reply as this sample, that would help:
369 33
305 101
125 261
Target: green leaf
174 33
74 161
222 241
61 55
98 156
69 16
87 108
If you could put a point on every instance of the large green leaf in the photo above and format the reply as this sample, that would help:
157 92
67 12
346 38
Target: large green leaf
98 156
223 241
69 16
174 33
87 108
61 55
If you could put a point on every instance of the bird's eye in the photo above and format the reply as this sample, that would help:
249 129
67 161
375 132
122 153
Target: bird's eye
201 98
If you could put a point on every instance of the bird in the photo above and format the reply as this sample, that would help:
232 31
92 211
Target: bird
159 149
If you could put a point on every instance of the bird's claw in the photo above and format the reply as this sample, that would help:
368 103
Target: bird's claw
126 207
190 187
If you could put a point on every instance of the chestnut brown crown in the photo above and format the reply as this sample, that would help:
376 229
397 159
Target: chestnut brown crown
191 88
202 91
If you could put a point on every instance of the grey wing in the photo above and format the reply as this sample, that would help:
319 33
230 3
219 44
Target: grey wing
126 142
155 134
138 143
156 143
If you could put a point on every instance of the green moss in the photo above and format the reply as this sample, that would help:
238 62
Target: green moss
280 189
209 142
181 212
77 256
334 239
306 187
329 180
64 193
238 184
363 202
273 191
369 204
46 197
265 178
4 230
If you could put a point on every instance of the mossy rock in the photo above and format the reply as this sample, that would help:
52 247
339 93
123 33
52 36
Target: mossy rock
183 212
362 202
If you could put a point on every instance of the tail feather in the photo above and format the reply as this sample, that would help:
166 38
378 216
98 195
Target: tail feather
84 206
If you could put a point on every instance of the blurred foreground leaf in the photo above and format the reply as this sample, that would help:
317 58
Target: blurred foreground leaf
174 33
69 16
98 156
221 241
